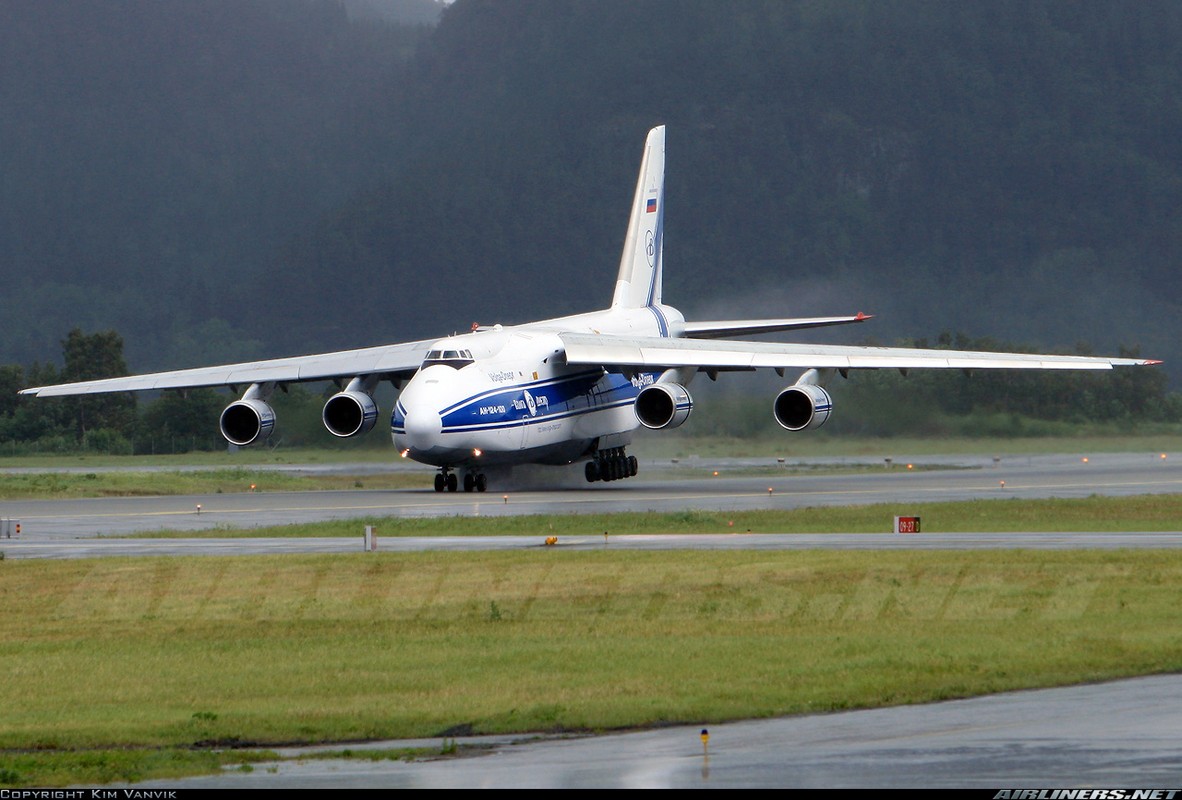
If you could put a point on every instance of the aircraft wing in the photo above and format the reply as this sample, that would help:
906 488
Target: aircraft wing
654 352
395 360
745 327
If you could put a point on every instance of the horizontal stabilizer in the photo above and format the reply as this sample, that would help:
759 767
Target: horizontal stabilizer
745 327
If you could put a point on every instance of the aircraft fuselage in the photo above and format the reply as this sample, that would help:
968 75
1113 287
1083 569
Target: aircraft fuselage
505 395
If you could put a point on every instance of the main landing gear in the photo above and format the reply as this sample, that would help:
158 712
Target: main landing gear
446 479
611 465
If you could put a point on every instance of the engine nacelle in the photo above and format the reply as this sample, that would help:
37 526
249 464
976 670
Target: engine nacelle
247 421
349 413
803 406
663 405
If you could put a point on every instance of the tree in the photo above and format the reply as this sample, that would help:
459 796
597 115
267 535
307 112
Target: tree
178 422
87 358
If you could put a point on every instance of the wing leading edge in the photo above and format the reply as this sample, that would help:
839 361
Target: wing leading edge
654 352
395 361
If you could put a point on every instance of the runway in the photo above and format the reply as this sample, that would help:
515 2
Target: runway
1121 734
740 484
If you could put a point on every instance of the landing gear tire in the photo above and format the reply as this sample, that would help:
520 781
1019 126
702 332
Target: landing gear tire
453 482
469 481
611 465
481 482
440 482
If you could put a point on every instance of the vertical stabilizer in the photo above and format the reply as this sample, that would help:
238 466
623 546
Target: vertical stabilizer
639 282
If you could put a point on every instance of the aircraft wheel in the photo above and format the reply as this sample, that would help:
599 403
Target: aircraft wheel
453 482
469 482
481 482
591 471
633 466
439 482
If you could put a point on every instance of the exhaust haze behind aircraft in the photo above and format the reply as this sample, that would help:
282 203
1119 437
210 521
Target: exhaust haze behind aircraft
567 389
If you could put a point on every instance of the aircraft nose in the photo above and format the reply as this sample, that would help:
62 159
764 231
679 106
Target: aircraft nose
423 427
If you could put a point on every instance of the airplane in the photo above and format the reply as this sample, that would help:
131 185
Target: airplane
562 390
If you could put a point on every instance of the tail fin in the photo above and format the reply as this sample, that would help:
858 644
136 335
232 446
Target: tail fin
639 282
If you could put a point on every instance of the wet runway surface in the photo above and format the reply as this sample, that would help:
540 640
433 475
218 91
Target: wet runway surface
1121 734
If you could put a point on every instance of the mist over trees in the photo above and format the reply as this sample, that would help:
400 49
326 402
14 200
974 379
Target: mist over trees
223 180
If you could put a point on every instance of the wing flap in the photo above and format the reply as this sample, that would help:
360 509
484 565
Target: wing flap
657 352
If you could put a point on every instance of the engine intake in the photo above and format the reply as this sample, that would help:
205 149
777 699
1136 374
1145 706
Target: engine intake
663 405
802 406
349 413
247 421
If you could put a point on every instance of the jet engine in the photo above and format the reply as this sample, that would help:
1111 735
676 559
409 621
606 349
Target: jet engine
349 413
247 421
802 406
663 405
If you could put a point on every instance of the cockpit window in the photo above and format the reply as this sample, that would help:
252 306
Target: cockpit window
448 358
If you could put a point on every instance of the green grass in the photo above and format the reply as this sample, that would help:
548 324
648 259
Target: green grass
247 456
1158 512
144 654
97 767
45 485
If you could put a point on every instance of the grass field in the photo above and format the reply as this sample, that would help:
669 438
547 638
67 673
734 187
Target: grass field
215 480
1140 513
136 655
112 664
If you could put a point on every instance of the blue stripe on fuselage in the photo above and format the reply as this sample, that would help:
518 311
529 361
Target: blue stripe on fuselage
559 385
541 400
662 323
548 399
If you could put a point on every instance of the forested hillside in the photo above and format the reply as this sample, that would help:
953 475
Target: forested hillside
156 154
230 179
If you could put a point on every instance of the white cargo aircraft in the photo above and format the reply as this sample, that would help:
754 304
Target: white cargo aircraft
566 389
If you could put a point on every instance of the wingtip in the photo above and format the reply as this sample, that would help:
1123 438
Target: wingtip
862 316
